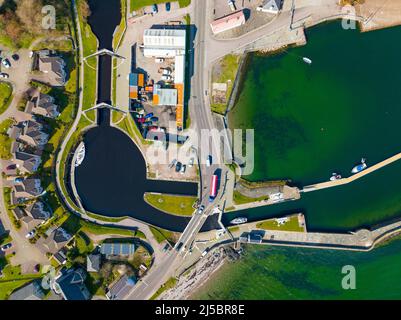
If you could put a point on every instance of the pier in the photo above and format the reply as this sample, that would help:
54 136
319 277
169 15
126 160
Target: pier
360 240
339 182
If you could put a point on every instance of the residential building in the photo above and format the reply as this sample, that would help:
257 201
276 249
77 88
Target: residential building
61 256
70 284
28 188
31 133
35 214
31 291
117 249
121 288
93 262
19 213
56 240
228 22
26 162
270 6
42 104
53 67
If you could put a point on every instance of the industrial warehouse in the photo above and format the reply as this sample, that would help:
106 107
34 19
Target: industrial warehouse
156 88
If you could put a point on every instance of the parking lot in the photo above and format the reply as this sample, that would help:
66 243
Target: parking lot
254 18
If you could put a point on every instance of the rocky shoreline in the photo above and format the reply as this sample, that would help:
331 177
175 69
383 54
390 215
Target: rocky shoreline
200 273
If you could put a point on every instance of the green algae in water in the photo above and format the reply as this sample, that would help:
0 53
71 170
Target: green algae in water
312 120
300 273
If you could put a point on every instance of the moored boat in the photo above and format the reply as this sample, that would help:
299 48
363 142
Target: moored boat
307 60
335 176
239 220
360 167
80 155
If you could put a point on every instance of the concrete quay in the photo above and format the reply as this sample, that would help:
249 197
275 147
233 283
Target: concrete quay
339 182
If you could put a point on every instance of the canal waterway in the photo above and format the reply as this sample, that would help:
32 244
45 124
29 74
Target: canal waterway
111 181
312 120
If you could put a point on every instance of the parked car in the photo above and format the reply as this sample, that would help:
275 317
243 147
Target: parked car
167 247
154 9
4 76
209 161
30 234
166 72
6 247
201 209
168 6
15 57
183 169
159 60
166 77
204 253
178 166
18 180
149 115
6 63
191 162
11 167
141 120
154 119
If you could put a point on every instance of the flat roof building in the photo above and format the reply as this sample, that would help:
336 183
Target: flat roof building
164 42
169 43
228 22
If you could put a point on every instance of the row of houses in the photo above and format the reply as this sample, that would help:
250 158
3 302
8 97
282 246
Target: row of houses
69 284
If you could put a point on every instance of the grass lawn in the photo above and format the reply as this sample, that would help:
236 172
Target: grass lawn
239 198
138 4
179 205
225 72
12 278
161 235
5 141
7 287
166 286
6 92
291 225
121 28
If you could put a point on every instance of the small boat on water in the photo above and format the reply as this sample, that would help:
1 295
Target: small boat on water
80 155
360 167
335 176
239 220
307 60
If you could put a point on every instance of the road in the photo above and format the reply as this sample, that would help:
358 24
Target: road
202 119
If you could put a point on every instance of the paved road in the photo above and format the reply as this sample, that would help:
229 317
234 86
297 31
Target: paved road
202 118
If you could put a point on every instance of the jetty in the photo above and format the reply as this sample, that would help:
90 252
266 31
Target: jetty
339 182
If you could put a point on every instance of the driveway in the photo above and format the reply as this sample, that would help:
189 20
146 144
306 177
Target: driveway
19 78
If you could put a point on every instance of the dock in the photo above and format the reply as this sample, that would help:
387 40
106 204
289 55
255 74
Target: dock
339 182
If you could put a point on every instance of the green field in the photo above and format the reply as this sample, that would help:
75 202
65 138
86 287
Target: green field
224 72
6 92
178 205
5 141
239 198
291 225
138 4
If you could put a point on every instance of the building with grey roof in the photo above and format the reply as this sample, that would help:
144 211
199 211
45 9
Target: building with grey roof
70 284
31 133
93 262
121 288
27 162
53 68
56 240
35 214
28 188
270 6
31 291
42 104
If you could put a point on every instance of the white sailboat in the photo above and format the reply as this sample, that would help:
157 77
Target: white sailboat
80 155
307 60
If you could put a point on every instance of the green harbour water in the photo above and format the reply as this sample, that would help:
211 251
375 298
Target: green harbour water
300 273
310 121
